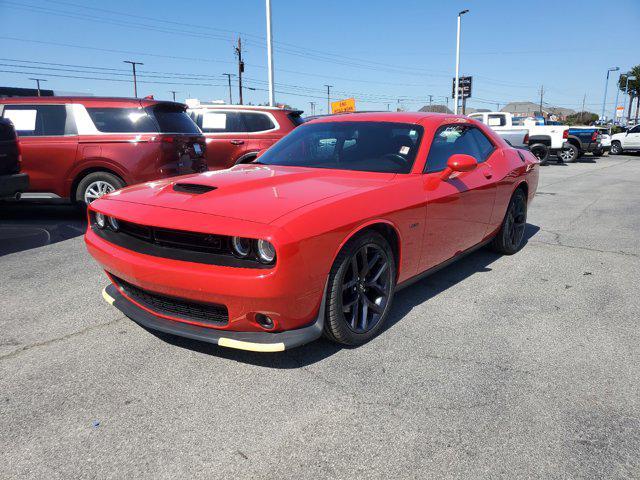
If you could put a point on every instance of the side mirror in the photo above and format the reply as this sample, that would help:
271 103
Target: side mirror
459 163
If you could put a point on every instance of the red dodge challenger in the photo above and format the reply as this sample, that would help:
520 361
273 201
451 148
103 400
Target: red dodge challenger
316 235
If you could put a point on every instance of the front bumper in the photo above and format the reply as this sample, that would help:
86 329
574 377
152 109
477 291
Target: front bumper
252 341
12 184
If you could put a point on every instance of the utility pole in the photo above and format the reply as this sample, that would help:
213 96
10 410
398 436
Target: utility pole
584 99
135 81
173 92
328 98
313 107
541 95
388 107
38 80
455 111
238 50
272 97
430 99
606 85
229 75
497 107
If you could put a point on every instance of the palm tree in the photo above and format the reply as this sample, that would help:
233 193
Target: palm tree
634 89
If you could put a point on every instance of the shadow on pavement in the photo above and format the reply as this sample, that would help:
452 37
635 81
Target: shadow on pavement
403 303
25 225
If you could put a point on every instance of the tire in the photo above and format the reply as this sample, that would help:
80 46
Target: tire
541 152
598 152
569 154
349 318
510 237
95 185
616 148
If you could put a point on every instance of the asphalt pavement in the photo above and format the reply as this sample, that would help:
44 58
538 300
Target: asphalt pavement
523 366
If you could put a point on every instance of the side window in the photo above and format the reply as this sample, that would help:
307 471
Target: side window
485 147
257 122
122 120
496 120
220 122
635 129
37 120
457 139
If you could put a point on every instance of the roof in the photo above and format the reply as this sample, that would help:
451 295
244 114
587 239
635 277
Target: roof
399 117
223 106
102 101
436 109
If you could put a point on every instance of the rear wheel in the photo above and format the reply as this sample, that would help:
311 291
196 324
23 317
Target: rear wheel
569 154
511 234
616 148
360 290
95 185
541 152
598 152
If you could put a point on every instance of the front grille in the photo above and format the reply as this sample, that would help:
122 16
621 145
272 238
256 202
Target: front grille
209 313
182 239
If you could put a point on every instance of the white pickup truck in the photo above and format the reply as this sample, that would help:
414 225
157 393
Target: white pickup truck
553 137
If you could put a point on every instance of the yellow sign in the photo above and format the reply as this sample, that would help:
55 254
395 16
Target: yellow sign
347 105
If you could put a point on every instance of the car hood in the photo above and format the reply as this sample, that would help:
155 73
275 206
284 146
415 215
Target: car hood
256 193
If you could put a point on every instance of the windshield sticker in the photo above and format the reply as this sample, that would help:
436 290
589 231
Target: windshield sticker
404 150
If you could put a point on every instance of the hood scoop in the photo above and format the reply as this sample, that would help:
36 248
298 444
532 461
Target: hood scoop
193 188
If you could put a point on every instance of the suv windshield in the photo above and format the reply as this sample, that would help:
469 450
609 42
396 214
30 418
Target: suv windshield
363 146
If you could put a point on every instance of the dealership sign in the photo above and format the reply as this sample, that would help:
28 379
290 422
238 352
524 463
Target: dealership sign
464 87
347 105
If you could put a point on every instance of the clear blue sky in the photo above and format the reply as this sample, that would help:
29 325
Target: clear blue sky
376 51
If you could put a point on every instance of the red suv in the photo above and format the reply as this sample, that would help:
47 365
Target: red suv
80 148
237 133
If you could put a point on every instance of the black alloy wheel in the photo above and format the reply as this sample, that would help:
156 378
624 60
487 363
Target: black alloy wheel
511 234
366 288
360 290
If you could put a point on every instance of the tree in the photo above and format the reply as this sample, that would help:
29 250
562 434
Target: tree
634 89
581 118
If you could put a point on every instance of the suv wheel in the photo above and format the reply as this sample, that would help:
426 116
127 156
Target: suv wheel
96 184
616 148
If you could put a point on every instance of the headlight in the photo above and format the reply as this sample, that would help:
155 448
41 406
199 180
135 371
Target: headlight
241 246
100 220
114 224
266 251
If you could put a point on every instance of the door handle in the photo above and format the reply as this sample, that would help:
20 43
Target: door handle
237 142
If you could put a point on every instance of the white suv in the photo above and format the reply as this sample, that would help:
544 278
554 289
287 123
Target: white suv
626 142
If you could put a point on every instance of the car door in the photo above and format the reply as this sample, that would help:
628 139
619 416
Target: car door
459 208
632 139
225 134
48 141
262 130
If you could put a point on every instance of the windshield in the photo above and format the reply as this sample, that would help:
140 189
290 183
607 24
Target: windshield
362 146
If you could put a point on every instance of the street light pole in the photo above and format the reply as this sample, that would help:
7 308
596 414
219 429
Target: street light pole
604 100
229 75
455 107
173 92
38 80
272 97
135 81
328 98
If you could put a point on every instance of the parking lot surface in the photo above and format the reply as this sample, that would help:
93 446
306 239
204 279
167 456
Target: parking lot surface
525 366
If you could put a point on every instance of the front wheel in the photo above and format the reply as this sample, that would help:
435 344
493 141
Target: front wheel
360 290
569 154
511 234
95 185
616 148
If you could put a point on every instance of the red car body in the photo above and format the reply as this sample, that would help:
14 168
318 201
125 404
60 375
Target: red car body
238 133
308 214
64 143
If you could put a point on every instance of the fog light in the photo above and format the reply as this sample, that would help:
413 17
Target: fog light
100 220
264 321
114 224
